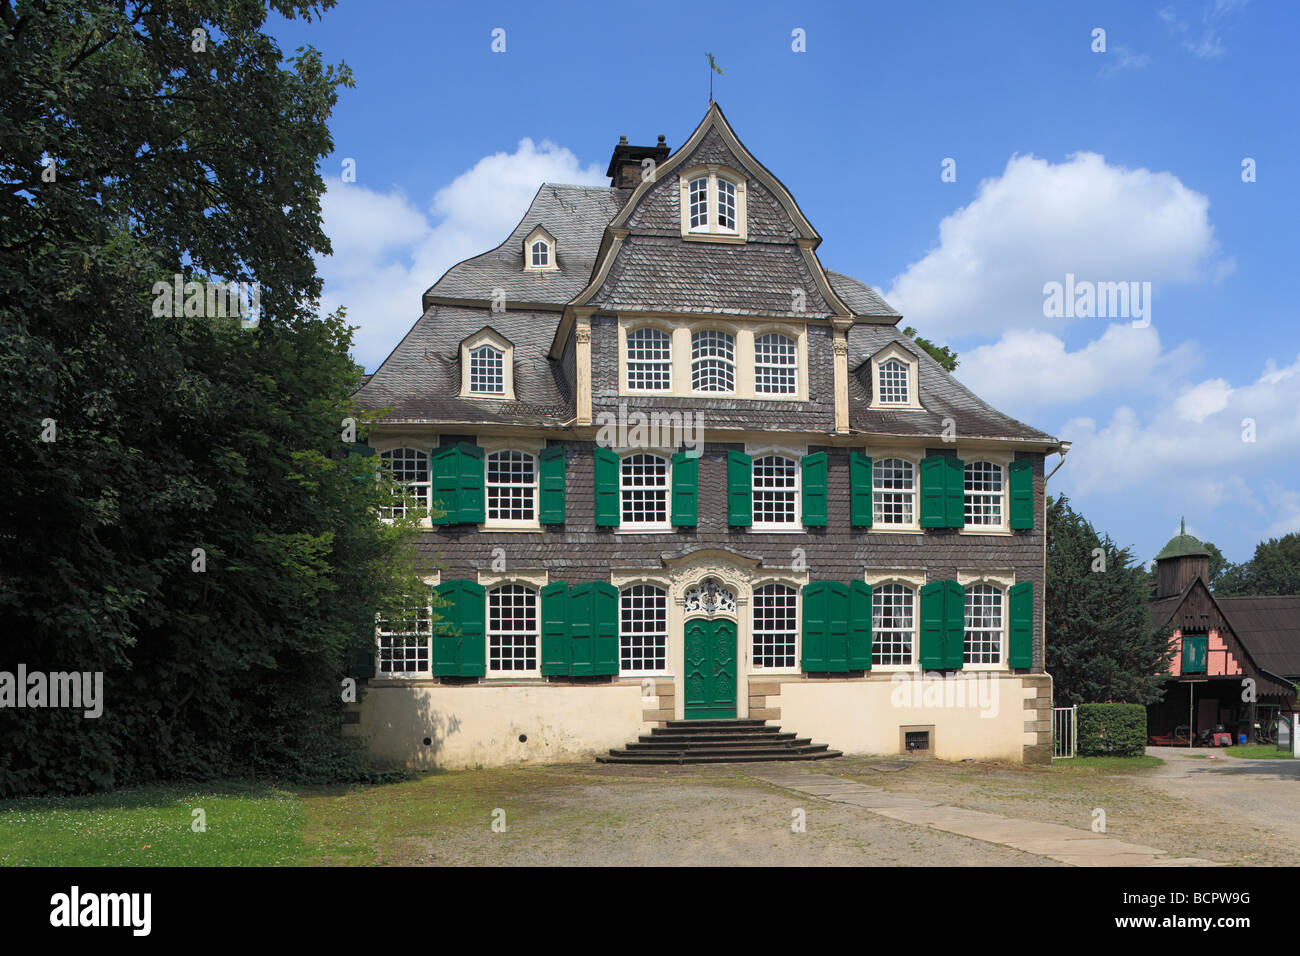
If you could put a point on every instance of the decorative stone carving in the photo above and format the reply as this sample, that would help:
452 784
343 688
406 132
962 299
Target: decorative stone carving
709 597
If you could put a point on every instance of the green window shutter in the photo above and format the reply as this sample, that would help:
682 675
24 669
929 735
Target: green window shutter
859 626
1194 655
550 466
813 480
362 449
555 629
837 631
934 492
606 467
1020 478
469 500
740 500
932 621
954 614
604 600
444 471
686 490
459 646
860 500
955 504
1020 619
814 627
582 630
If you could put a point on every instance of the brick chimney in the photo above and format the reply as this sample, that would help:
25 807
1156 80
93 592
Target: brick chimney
625 165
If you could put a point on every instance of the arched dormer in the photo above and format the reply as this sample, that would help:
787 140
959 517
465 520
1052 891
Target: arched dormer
895 379
539 251
487 366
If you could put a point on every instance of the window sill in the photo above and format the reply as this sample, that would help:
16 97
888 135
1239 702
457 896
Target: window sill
895 529
777 528
1000 532
655 529
525 526
714 237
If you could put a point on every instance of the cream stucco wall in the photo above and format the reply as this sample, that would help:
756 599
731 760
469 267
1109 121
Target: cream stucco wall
864 716
480 724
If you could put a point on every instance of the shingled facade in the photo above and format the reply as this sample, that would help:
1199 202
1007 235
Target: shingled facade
677 469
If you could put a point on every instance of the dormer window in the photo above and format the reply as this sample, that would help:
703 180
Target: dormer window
713 204
487 366
894 379
539 251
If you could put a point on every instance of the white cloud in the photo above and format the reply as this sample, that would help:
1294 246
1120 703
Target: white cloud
1039 221
387 251
1207 42
1047 374
1203 429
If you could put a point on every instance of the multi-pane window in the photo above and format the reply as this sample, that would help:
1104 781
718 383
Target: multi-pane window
774 364
410 469
893 383
893 625
487 370
643 490
726 205
775 491
983 624
984 493
643 629
511 486
541 254
512 629
649 360
775 625
713 361
893 492
404 642
699 199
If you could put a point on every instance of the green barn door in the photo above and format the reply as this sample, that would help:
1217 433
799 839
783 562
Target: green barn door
710 669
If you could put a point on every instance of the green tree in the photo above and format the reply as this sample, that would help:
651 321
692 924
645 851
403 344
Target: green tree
1101 646
940 353
1274 569
179 511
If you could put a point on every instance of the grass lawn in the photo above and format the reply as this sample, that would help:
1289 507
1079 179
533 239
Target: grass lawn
1257 752
1105 764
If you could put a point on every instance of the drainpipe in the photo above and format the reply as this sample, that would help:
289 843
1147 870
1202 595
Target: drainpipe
1065 450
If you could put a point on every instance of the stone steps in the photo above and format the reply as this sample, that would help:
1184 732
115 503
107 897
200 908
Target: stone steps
717 741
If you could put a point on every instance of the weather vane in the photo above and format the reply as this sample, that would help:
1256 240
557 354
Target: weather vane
713 68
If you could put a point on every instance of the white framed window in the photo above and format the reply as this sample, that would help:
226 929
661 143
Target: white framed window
775 364
894 383
512 635
726 221
649 360
410 468
539 254
713 361
984 624
405 643
712 204
511 487
985 490
643 491
893 625
487 373
775 492
699 199
893 493
643 629
775 626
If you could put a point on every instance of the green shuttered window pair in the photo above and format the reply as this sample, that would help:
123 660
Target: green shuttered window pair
684 492
943 492
740 494
836 627
457 472
943 625
579 629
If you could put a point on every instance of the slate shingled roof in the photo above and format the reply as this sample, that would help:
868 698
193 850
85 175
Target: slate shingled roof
575 215
942 396
859 296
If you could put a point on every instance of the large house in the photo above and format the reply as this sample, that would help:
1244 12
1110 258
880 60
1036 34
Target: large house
679 470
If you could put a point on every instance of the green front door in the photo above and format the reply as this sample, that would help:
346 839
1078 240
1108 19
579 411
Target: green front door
710 669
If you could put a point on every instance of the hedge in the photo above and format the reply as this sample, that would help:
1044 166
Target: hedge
1112 730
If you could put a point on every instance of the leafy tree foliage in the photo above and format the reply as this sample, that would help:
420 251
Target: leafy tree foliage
940 353
1101 646
1275 569
196 531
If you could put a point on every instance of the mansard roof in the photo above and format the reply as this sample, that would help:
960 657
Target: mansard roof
942 397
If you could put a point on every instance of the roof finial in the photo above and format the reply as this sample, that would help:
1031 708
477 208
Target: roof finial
1183 528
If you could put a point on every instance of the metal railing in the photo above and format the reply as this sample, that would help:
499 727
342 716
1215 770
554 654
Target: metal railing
1065 731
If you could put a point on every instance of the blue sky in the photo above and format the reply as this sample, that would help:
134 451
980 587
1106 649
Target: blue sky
1122 165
